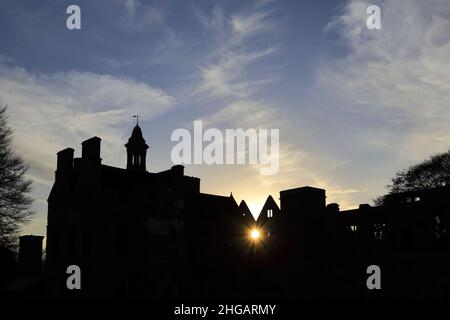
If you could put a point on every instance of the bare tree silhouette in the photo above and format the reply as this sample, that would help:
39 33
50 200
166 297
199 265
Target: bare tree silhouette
15 187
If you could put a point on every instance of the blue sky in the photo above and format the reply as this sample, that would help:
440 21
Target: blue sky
353 105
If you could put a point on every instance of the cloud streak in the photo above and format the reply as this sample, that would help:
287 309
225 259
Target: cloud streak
50 112
244 41
400 73
235 50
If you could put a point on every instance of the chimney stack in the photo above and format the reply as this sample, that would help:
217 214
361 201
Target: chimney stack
91 150
178 170
64 163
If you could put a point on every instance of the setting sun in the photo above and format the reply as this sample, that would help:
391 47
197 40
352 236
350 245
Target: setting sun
255 234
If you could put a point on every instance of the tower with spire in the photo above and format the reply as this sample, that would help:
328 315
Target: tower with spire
136 150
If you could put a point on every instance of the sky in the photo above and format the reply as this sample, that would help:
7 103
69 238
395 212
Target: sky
352 105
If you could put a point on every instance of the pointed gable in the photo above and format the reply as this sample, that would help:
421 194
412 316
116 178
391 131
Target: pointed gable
246 214
269 211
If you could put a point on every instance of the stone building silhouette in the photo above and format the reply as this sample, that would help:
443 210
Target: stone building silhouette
318 251
136 233
133 232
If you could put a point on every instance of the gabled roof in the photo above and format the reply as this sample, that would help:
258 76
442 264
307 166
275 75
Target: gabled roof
270 204
246 214
244 208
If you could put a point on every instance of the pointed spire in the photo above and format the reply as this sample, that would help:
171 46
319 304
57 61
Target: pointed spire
136 149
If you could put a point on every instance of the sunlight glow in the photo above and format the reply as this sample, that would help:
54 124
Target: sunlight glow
255 234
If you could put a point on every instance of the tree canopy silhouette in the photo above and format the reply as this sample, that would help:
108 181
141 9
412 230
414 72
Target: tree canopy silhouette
430 173
15 187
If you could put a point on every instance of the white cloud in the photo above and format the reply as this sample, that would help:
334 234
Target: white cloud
216 21
246 114
244 40
49 112
250 24
400 73
235 49
226 78
76 104
297 167
140 15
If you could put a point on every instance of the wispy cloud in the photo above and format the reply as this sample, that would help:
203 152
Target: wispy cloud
246 114
235 49
244 41
50 112
141 14
297 167
400 73
226 77
247 25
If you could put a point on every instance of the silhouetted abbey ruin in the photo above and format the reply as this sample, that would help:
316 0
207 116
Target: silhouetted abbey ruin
139 234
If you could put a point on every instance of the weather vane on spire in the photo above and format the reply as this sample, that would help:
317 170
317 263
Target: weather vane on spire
137 119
